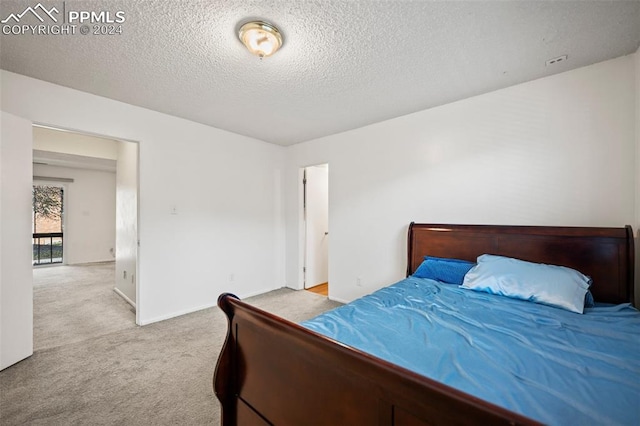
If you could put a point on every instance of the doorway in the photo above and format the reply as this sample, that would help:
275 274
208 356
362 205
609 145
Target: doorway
100 176
315 205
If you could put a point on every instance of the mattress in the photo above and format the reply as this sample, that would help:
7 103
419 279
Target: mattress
552 365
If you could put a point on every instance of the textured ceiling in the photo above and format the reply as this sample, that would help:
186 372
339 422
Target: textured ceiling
344 64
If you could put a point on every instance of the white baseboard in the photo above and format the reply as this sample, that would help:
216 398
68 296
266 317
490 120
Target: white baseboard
93 262
337 299
176 314
201 307
257 293
124 296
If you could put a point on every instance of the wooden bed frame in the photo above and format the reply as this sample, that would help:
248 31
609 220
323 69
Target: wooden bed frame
272 371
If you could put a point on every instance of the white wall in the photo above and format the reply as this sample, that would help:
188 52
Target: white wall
74 143
226 190
555 151
16 278
127 220
90 212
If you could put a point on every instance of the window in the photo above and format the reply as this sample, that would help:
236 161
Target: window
48 212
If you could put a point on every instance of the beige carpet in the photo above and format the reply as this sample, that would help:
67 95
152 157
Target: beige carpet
93 366
76 303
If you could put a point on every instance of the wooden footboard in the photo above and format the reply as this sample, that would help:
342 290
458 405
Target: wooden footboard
272 371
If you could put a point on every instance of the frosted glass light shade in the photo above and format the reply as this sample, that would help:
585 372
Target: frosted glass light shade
261 38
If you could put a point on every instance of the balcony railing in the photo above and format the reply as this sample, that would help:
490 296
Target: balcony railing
47 248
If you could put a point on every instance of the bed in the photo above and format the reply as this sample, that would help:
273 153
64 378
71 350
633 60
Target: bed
271 371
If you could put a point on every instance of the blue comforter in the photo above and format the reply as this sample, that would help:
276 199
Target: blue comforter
555 366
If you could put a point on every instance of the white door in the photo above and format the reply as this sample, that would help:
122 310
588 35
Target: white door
317 225
16 276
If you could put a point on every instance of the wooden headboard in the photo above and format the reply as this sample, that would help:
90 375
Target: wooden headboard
604 254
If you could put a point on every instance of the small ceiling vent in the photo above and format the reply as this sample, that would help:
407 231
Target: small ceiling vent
554 61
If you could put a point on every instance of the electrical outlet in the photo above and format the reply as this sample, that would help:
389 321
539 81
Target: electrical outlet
124 275
232 278
359 281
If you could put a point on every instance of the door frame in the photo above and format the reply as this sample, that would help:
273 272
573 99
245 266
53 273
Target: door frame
115 138
302 228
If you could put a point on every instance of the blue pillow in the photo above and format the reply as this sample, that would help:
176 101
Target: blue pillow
450 271
551 285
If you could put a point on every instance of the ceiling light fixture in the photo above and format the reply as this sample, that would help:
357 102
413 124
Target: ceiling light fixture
260 38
